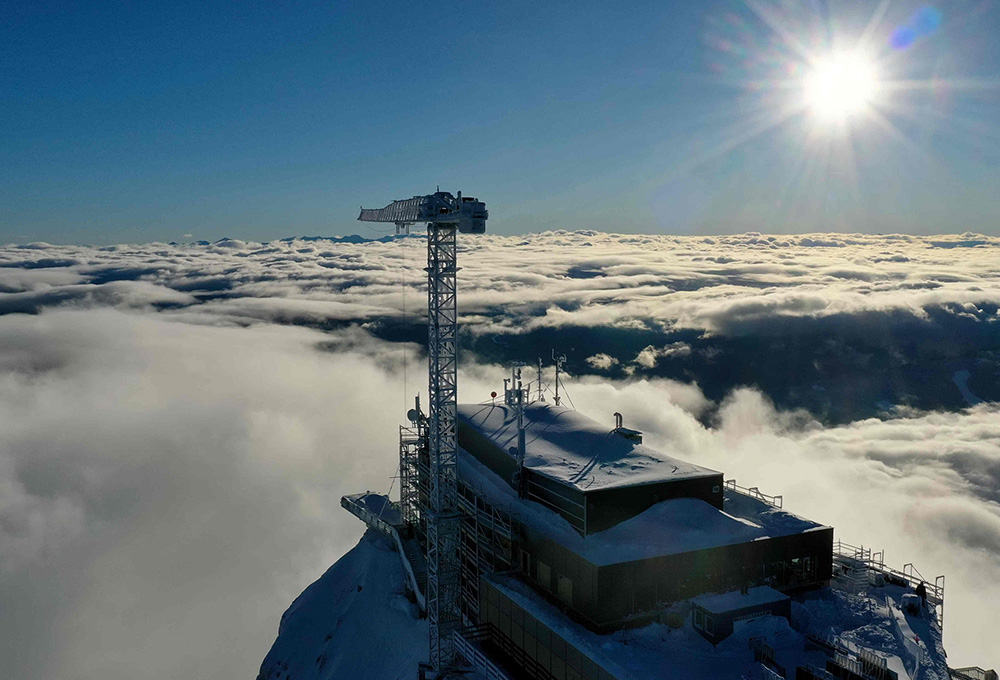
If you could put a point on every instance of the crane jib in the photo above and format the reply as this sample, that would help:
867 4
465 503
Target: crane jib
469 214
409 210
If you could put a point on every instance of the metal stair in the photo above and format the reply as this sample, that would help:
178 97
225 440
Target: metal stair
418 561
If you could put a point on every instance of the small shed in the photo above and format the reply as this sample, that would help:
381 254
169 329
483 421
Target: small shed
716 616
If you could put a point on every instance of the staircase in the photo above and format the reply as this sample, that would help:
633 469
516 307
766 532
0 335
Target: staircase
414 554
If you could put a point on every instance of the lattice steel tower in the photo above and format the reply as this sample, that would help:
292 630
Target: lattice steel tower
445 216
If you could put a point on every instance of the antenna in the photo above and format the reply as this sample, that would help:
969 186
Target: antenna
560 360
541 395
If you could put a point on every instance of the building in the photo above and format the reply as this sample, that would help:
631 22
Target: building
717 615
613 530
572 531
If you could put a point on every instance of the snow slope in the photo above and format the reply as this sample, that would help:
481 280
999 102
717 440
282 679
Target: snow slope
354 622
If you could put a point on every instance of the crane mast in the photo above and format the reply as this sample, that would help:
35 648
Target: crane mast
446 217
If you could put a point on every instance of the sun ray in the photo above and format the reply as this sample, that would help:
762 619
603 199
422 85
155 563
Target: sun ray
864 42
773 21
845 89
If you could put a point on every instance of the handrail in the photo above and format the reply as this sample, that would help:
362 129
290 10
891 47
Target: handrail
371 519
875 561
365 515
475 656
754 492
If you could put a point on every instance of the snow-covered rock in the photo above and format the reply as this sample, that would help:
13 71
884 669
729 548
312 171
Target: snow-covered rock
354 622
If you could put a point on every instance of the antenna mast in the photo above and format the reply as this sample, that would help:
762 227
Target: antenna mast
560 360
541 396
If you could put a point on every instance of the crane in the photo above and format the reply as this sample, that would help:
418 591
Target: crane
446 216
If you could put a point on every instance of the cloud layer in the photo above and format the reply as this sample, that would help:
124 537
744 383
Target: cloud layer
846 326
179 421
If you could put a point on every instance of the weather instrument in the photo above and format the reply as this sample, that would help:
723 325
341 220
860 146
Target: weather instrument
446 216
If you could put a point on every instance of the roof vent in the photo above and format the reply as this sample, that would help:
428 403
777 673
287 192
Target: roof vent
628 433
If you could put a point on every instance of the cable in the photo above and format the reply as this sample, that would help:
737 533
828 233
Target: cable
569 397
388 496
403 278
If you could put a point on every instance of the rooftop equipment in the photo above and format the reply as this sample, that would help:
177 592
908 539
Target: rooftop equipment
446 216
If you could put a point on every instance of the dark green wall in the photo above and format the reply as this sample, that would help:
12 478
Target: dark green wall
605 596
486 452
608 507
544 647
632 588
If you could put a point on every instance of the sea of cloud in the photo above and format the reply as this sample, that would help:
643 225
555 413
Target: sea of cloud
178 422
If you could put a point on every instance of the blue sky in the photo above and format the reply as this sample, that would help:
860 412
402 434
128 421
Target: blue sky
147 121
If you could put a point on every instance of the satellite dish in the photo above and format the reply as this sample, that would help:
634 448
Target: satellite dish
412 415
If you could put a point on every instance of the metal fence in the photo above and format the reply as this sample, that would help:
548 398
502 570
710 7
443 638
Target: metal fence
754 492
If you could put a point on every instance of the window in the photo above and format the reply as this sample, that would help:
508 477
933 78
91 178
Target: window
525 562
565 590
699 619
544 574
709 626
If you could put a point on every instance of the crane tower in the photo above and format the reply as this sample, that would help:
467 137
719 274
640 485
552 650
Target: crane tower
446 216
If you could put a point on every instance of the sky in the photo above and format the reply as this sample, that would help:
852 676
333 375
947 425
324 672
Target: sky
178 423
137 122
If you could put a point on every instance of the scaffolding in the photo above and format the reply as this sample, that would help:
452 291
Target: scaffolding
412 449
489 535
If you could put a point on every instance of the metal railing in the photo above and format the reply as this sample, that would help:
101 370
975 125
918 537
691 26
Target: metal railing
862 559
362 512
468 650
754 492
972 673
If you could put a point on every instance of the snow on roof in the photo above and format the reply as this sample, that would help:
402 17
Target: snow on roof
667 528
717 603
657 652
571 448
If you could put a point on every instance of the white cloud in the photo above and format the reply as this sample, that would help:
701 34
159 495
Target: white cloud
650 356
168 489
727 284
602 361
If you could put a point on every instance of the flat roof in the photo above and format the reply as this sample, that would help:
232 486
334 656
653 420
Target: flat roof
669 527
718 603
568 447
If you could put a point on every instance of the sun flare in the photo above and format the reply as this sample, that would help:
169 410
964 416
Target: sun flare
841 85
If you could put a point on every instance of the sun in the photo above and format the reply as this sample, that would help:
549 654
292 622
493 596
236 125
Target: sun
841 85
